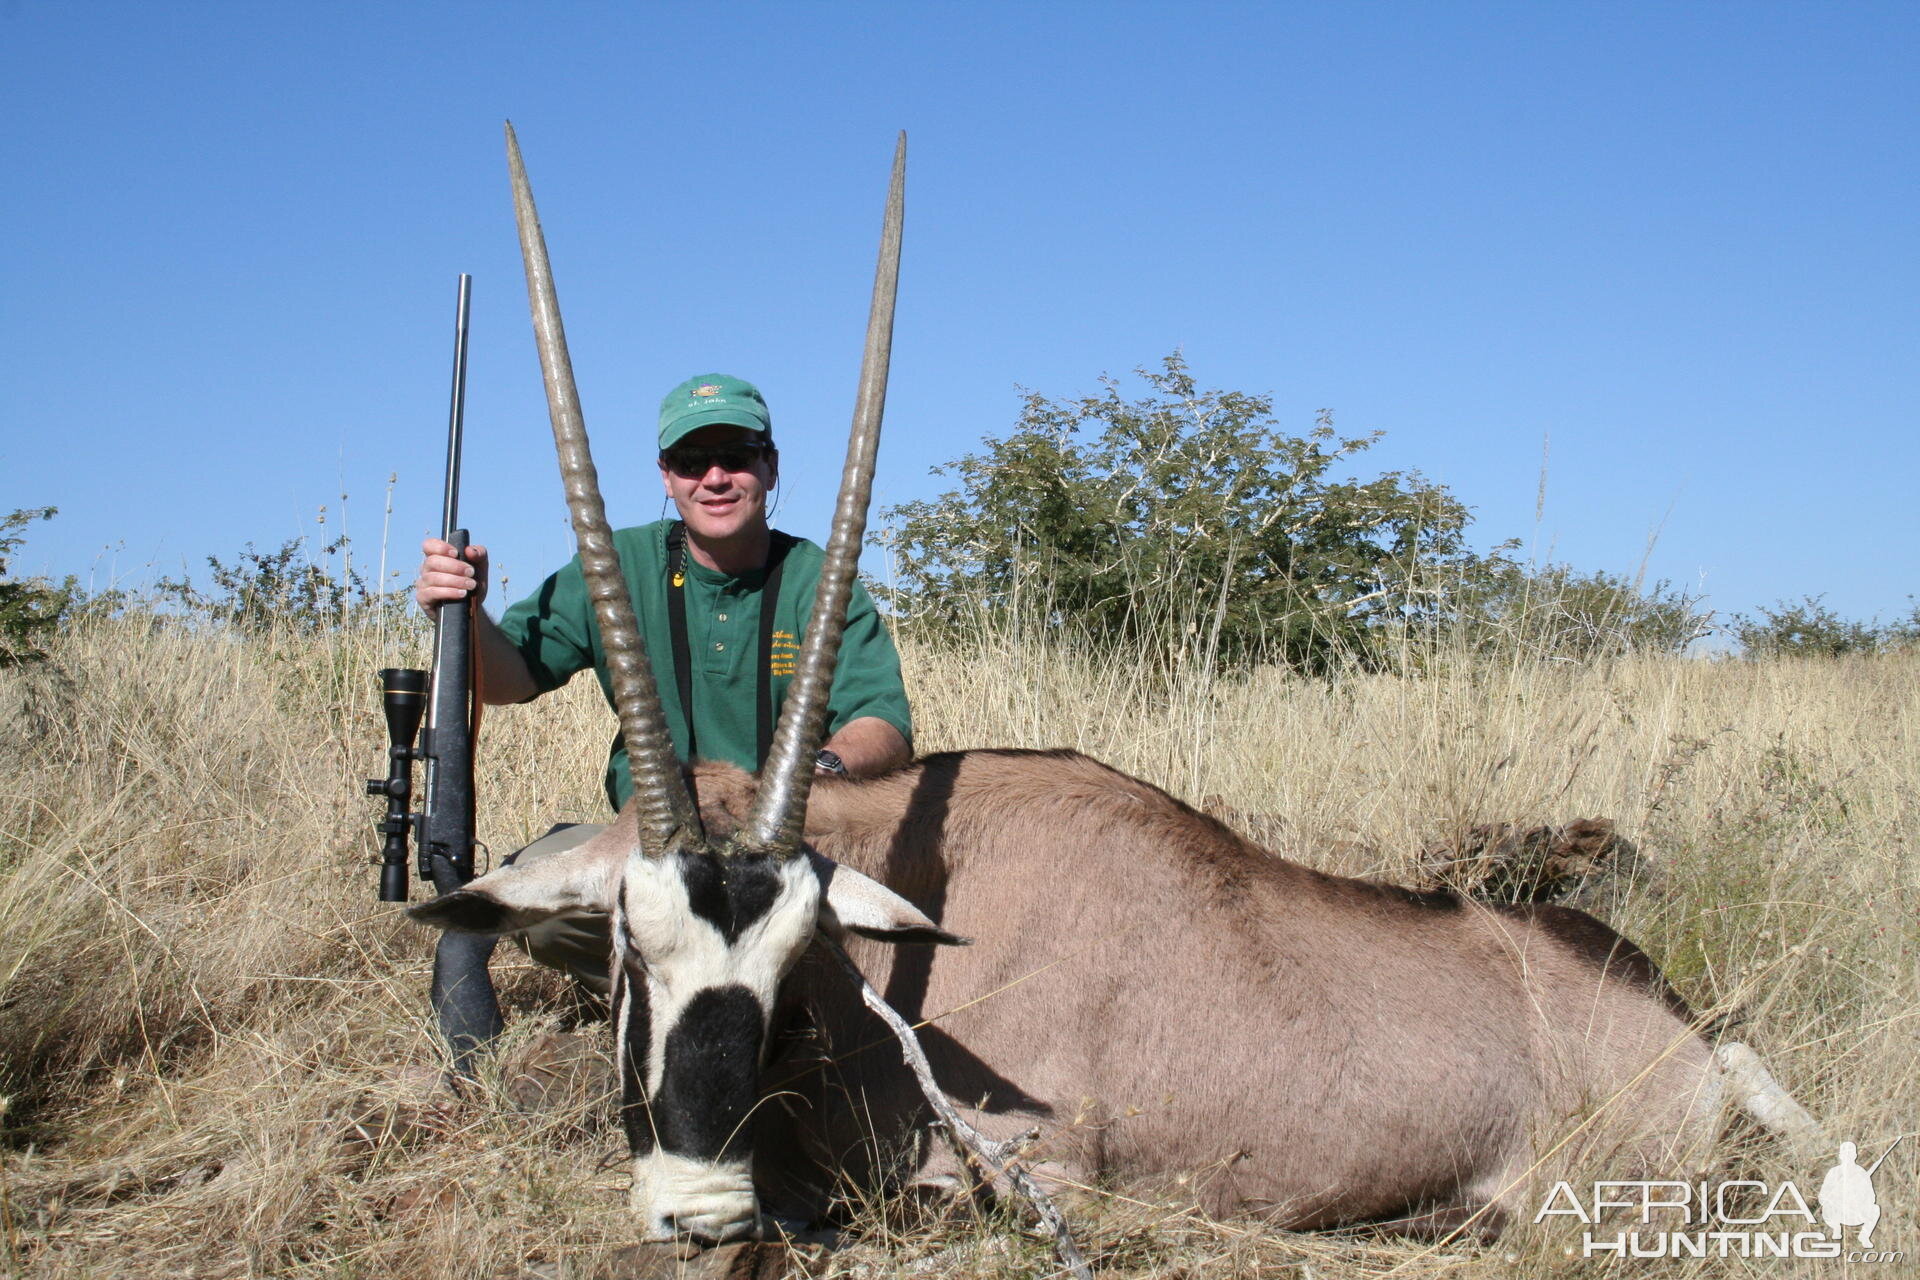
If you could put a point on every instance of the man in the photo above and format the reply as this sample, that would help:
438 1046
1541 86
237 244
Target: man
722 599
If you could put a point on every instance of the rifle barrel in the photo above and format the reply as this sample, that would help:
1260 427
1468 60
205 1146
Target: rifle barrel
450 506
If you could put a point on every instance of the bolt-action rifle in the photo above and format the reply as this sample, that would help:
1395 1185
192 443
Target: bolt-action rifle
442 829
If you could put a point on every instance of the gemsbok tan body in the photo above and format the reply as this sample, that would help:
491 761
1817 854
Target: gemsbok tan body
1170 1002
1181 1011
1165 1001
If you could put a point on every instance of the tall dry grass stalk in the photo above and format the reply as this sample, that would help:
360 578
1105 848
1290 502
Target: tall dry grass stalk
217 1060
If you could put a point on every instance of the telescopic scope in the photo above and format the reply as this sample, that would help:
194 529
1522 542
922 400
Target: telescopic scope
403 696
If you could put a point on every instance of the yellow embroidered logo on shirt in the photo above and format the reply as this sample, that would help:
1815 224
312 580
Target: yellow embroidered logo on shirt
783 651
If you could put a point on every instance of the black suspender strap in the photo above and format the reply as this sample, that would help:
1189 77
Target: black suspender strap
682 650
769 604
677 623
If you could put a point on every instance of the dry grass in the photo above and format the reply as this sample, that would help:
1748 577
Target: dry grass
213 1042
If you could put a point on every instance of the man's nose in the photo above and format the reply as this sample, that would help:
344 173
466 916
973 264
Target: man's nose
717 477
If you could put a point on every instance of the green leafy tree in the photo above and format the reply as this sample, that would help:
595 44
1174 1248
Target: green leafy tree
29 607
1557 611
1806 628
264 590
1186 522
1903 633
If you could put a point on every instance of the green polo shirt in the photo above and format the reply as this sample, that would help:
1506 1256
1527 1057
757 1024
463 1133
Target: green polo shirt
555 631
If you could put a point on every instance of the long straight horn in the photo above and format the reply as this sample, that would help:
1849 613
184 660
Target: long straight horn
667 815
779 810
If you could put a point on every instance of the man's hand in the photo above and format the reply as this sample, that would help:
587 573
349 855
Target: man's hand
503 672
444 576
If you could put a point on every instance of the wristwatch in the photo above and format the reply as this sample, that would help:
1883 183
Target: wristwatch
829 763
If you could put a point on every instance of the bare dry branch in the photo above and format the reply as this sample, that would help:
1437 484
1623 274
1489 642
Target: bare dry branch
997 1159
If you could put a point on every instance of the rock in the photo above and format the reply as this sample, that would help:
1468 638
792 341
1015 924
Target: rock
558 1071
353 1136
422 1200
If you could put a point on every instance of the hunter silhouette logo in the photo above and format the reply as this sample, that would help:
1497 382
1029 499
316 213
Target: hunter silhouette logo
1738 1218
1846 1194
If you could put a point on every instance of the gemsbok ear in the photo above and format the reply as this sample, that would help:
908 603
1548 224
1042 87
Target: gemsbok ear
853 903
465 910
574 882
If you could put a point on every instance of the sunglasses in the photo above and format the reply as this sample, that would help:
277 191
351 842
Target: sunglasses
691 461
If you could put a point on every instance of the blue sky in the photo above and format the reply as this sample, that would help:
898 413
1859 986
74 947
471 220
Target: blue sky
1675 240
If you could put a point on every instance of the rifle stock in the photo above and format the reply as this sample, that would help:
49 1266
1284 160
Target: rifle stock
446 828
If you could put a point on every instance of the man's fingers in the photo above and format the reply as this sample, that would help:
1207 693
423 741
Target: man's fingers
445 575
440 548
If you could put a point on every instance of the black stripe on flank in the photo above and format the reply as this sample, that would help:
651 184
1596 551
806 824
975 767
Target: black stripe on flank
730 893
634 1051
712 1076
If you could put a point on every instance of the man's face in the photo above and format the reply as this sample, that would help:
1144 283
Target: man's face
719 502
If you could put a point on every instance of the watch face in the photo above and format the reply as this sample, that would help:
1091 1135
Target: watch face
830 761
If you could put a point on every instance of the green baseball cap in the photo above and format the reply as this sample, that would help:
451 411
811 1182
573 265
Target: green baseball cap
708 399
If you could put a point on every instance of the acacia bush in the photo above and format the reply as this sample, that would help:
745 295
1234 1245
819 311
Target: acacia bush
1809 628
29 607
1499 605
285 588
1184 524
1188 527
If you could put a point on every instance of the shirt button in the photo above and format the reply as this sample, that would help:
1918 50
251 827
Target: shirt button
719 617
719 648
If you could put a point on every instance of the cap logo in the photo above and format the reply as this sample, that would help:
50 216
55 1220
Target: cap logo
707 389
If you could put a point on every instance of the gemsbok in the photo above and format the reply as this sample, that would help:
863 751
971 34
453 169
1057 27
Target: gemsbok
1168 1003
